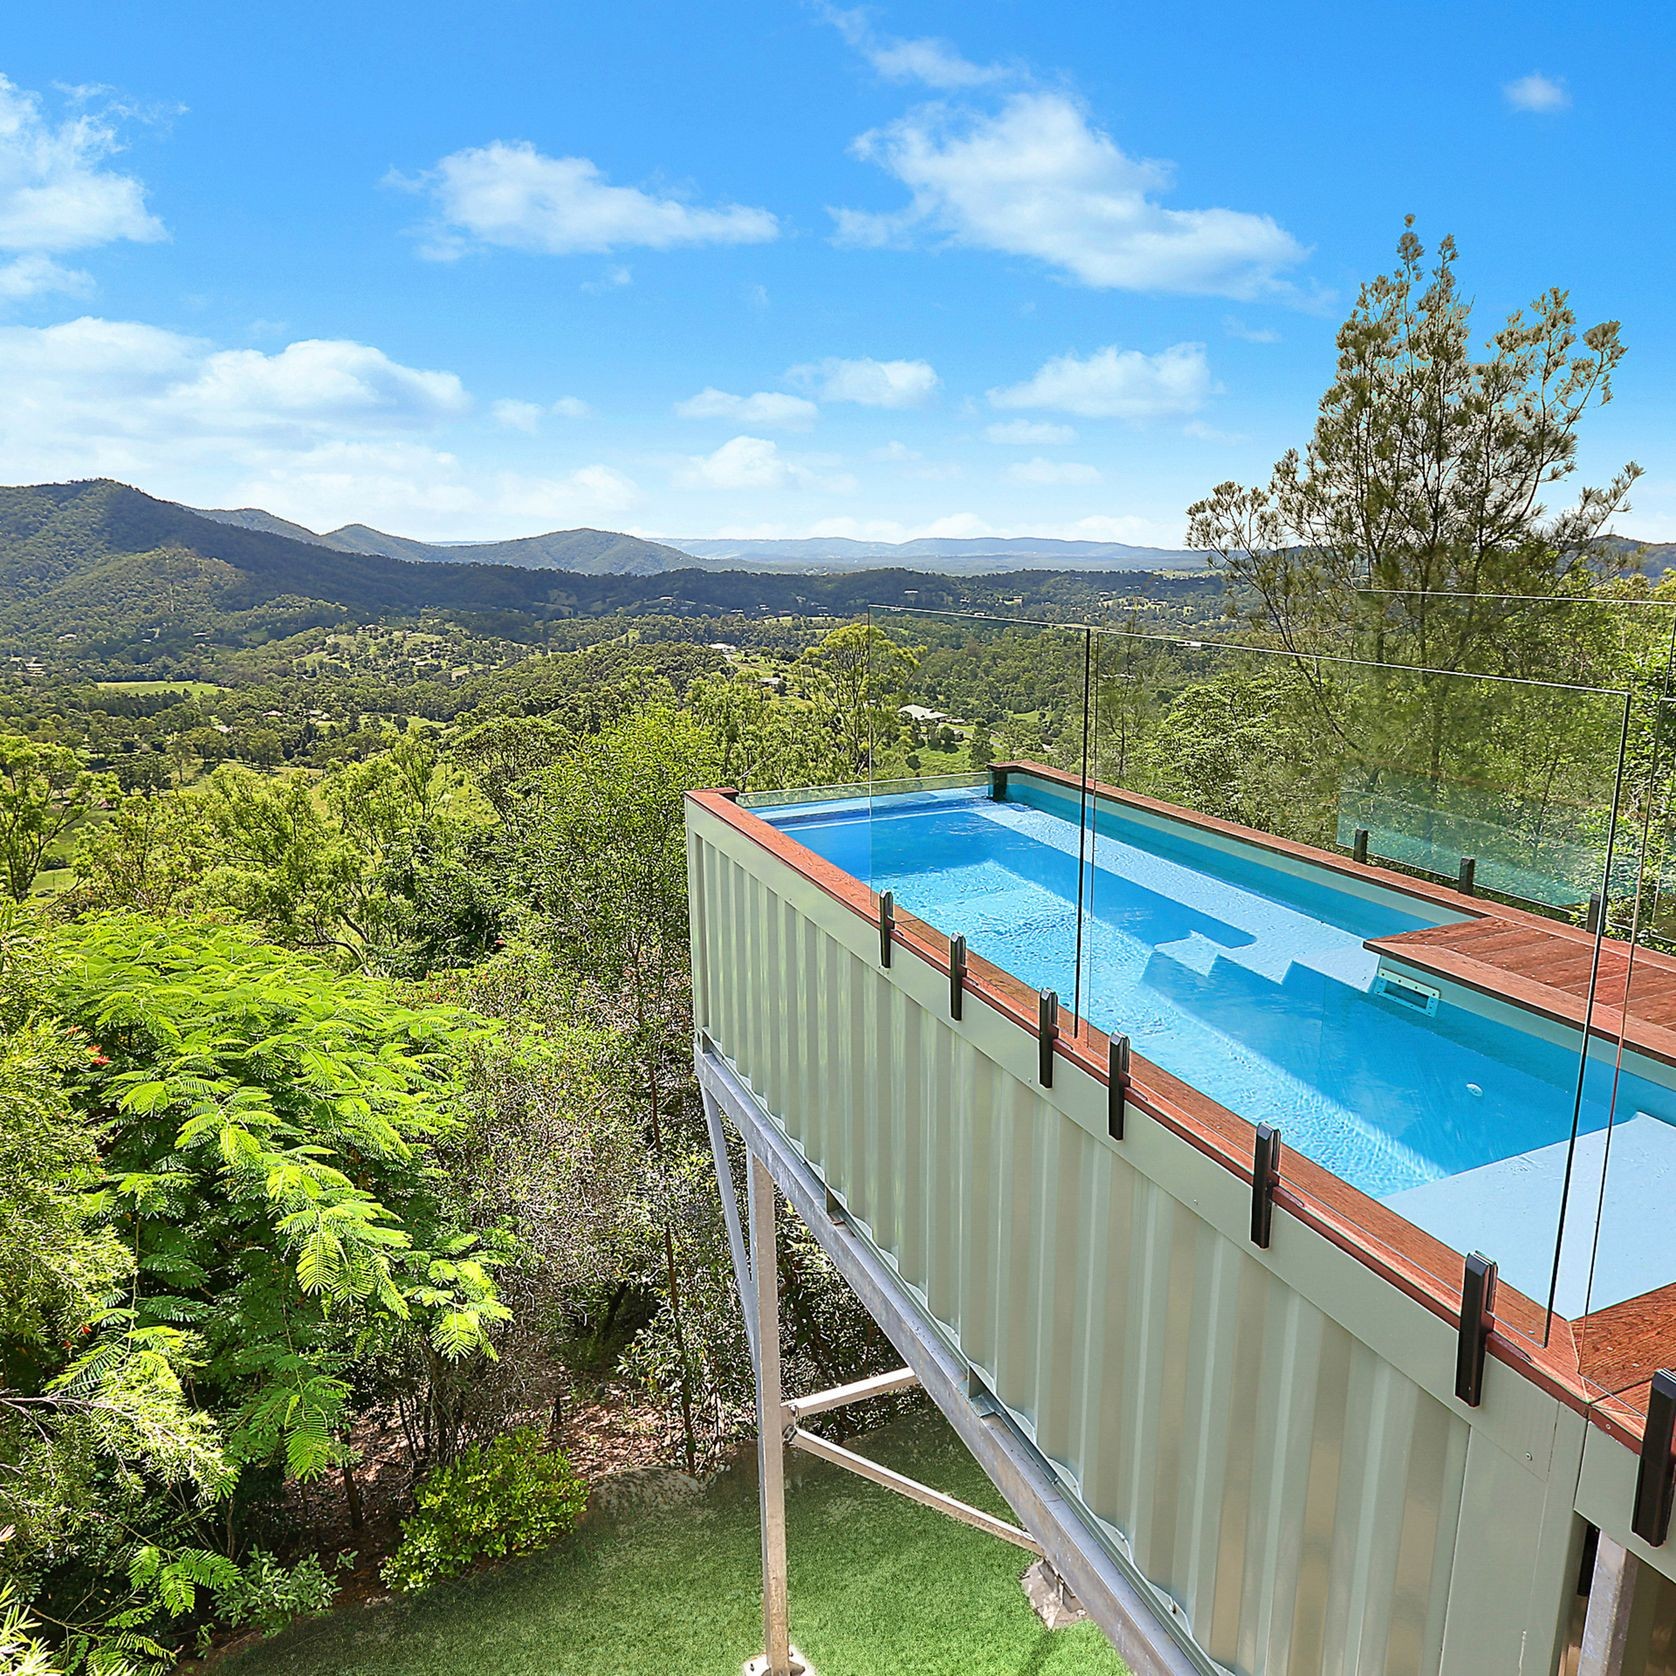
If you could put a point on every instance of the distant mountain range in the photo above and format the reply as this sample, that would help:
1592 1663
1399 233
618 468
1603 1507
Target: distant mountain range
584 552
950 555
603 553
97 573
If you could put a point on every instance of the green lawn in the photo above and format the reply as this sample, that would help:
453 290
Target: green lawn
189 689
879 1586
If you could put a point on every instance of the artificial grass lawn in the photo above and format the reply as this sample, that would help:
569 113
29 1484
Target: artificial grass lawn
879 1587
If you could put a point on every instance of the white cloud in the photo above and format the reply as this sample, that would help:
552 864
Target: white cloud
56 192
613 279
1130 531
509 194
1201 432
754 463
518 416
325 432
912 463
527 416
412 489
868 382
319 381
1537 93
1029 433
1038 179
34 274
771 408
1237 328
1117 383
1041 473
924 59
589 491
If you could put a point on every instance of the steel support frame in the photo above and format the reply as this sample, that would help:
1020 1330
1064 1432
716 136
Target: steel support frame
1611 1600
771 1424
1148 1639
823 1449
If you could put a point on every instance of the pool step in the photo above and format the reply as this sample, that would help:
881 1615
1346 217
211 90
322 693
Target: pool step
1510 1209
1209 976
1349 963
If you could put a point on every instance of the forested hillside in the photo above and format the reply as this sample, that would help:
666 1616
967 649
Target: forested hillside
103 578
586 552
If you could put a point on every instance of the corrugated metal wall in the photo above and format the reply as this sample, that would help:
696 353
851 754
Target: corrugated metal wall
1272 1436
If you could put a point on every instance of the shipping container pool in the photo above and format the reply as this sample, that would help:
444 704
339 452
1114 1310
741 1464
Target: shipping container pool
1247 974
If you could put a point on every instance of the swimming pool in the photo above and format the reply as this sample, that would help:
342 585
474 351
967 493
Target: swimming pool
1247 976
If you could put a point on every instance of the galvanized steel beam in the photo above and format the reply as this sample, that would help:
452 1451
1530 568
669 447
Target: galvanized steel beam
912 1489
1116 1596
841 1396
730 1216
1611 1600
771 1422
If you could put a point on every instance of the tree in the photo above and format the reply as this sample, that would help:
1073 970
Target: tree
46 791
376 862
765 740
262 746
856 675
151 855
600 855
222 1196
272 1130
1425 479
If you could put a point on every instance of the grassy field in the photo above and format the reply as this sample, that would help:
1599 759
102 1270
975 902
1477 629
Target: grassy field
879 1587
189 689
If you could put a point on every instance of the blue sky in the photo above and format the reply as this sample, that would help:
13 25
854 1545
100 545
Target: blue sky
781 269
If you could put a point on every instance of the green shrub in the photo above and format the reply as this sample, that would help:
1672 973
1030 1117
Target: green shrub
506 1499
269 1594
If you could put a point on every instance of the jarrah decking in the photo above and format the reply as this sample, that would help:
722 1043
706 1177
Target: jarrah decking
1552 969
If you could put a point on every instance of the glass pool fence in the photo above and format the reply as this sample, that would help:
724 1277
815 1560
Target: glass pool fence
1412 923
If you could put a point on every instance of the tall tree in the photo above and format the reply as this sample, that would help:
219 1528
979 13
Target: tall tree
46 792
601 855
1425 480
856 676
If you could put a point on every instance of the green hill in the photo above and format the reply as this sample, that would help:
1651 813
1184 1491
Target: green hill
68 547
99 575
585 552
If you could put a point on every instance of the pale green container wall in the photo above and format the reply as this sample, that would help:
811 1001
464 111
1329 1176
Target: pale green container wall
1272 1437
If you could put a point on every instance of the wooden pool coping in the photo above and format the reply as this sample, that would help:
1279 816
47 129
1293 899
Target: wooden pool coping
1597 1364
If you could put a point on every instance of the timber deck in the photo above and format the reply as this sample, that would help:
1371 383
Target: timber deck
1551 969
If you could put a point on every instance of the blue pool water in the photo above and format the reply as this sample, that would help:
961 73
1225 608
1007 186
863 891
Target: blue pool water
1250 981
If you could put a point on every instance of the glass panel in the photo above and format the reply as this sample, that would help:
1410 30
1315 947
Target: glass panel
1370 903
1615 1257
1620 1246
1378 1025
1591 640
974 808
